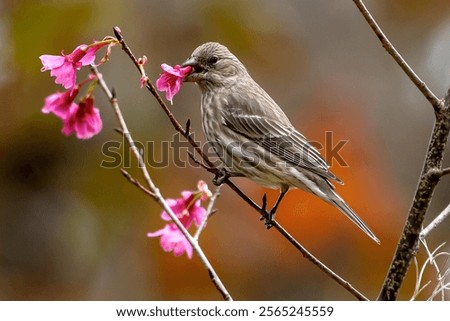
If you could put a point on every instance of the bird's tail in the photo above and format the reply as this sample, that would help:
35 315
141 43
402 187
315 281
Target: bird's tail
337 201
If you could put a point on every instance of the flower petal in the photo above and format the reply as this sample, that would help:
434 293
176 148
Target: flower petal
60 103
89 57
84 119
204 189
65 75
51 61
171 80
198 213
172 239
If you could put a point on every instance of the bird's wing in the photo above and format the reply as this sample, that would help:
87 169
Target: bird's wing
281 140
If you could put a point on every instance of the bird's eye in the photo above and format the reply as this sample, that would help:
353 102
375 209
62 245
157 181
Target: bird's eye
213 60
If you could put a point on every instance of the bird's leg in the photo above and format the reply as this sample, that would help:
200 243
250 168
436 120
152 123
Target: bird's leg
264 208
274 208
222 175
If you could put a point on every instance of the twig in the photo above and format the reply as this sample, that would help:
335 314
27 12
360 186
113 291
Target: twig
209 166
136 183
431 260
438 220
442 285
419 275
155 191
409 240
429 95
298 246
315 261
209 211
158 98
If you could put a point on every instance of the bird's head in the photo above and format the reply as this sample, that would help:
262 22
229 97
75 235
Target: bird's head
213 65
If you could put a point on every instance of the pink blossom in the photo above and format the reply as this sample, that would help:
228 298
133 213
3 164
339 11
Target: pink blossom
142 60
172 239
204 189
143 81
83 119
188 209
60 104
171 79
64 67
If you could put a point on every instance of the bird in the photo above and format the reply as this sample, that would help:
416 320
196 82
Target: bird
251 134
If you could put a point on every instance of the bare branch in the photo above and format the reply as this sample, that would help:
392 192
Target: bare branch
209 211
429 95
438 220
158 98
319 264
298 246
441 273
409 240
136 183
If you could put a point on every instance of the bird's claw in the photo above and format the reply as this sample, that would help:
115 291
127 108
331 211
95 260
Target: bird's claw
221 176
267 216
269 219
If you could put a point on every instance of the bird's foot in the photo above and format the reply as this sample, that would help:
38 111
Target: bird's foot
267 216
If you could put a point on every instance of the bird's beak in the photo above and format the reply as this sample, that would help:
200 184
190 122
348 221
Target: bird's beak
192 76
192 62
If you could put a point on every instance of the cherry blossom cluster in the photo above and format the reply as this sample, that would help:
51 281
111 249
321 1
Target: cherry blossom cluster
189 210
171 79
82 117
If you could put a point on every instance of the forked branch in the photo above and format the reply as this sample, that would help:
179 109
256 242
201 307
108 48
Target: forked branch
431 173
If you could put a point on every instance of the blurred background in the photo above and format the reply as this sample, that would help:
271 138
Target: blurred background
73 230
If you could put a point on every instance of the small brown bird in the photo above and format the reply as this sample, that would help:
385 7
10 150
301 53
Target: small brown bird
252 135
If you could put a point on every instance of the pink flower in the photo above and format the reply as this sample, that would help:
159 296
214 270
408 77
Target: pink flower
64 67
83 119
173 240
204 189
60 104
171 79
188 209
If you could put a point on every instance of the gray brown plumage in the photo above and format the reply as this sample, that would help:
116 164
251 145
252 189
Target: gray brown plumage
252 135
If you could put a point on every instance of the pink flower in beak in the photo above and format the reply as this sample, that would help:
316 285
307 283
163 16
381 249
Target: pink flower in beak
171 79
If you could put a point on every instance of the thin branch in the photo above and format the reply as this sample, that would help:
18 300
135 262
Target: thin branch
419 275
445 171
158 98
431 260
209 166
155 191
443 283
209 211
409 239
319 264
438 220
298 246
441 277
429 95
136 183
